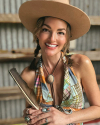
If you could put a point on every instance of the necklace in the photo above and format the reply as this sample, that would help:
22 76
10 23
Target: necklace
50 78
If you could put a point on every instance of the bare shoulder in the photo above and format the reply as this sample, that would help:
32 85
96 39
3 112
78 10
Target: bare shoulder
29 77
82 65
80 60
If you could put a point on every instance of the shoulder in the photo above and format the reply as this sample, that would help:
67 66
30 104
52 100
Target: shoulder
80 60
28 76
82 64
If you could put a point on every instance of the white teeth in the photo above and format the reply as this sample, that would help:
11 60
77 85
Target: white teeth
50 45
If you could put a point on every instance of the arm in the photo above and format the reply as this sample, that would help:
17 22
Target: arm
88 79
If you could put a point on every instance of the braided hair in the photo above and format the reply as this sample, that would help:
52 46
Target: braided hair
36 52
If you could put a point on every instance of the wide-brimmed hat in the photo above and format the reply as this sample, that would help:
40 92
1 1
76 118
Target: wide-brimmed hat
31 11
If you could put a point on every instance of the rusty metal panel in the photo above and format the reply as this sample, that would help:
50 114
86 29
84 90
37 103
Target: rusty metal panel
5 78
3 110
91 7
89 41
1 76
12 108
13 36
10 6
1 6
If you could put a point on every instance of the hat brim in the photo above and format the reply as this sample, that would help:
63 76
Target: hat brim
31 11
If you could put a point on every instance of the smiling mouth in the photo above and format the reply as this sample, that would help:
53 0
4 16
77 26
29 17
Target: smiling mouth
49 45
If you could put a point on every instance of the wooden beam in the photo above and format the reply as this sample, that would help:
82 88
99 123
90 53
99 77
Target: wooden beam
10 93
11 97
94 20
10 57
9 18
12 121
14 18
9 90
93 56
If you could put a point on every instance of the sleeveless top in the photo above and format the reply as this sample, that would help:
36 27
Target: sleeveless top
72 90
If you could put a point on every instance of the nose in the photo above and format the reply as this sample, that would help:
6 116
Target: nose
52 37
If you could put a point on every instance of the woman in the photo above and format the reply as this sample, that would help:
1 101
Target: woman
56 78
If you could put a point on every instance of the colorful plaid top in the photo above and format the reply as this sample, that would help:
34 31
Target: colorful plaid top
72 90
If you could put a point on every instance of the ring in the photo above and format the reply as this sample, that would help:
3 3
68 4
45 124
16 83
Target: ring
27 118
46 120
27 111
46 109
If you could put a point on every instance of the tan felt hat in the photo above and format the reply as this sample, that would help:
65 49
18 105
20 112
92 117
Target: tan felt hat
31 11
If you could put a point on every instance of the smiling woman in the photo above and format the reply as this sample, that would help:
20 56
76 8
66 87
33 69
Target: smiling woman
42 27
51 33
57 78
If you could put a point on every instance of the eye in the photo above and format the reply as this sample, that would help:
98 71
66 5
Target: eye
61 33
45 30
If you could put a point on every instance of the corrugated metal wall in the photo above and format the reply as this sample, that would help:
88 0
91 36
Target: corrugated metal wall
17 36
91 40
13 36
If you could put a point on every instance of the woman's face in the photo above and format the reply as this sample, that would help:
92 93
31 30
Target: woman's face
52 36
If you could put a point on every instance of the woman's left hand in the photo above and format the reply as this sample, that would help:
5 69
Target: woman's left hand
53 117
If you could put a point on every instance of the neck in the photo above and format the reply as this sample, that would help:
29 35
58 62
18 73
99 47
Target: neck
51 61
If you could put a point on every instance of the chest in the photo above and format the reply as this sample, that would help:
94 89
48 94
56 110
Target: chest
57 84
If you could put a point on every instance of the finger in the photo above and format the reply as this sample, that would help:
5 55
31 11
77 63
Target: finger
34 117
43 115
38 115
42 121
50 123
36 112
26 112
29 111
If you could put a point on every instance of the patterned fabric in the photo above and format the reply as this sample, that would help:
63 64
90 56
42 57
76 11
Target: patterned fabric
72 90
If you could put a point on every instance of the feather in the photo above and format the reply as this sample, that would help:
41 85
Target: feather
29 95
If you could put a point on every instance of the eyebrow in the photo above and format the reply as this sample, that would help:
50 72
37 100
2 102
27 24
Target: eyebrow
50 27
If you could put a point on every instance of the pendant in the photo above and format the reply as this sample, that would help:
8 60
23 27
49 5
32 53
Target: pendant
50 79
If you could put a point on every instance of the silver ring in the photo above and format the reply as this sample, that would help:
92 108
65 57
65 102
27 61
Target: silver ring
46 109
27 111
46 120
27 118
